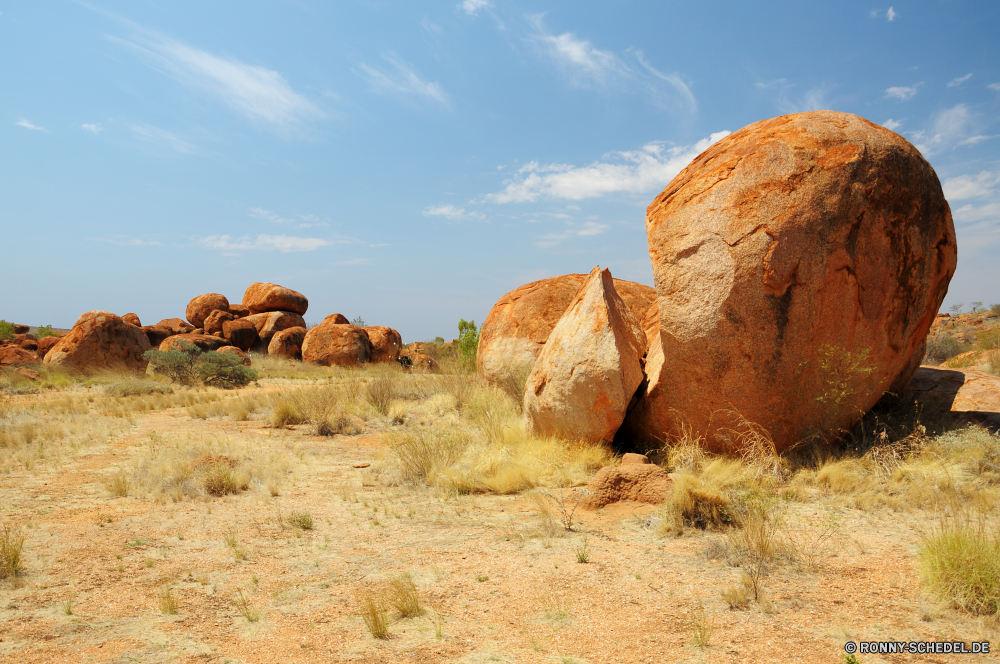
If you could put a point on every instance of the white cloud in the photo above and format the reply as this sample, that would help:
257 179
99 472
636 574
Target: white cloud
92 128
473 6
587 66
958 81
307 220
450 212
949 128
892 124
404 81
964 187
283 243
636 171
258 93
153 134
972 140
902 93
587 229
891 15
27 125
994 86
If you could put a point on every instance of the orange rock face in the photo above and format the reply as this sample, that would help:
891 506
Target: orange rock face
337 319
203 341
200 307
45 344
423 362
520 322
643 483
263 297
12 356
132 319
287 343
274 321
100 340
336 344
241 333
238 310
233 350
588 370
798 264
175 326
386 343
213 323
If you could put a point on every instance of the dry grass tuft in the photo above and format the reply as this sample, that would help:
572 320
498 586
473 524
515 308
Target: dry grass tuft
245 606
702 625
11 546
402 596
960 563
119 484
300 520
167 603
373 609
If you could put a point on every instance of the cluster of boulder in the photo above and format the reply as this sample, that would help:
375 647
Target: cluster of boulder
799 264
268 321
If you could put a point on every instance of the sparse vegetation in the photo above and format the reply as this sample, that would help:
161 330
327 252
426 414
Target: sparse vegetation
11 547
246 608
468 344
702 625
6 331
960 562
300 520
167 603
403 596
373 609
190 365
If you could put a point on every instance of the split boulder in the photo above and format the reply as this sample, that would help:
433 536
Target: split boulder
588 370
800 252
132 319
269 323
336 344
241 333
214 322
386 343
287 343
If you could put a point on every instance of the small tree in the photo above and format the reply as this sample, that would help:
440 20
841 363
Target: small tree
977 307
358 321
956 308
468 344
45 331
6 331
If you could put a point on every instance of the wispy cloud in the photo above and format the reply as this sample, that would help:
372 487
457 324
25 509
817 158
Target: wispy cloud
152 134
301 220
890 14
892 124
958 81
587 66
92 128
994 86
472 6
403 80
950 128
787 100
964 187
451 212
283 243
27 125
636 171
587 229
902 93
125 241
256 92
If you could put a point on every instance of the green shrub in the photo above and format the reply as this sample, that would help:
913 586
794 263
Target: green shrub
44 331
358 321
224 370
942 348
179 366
468 344
6 331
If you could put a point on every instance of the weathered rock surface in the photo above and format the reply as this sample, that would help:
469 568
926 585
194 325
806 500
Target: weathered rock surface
29 344
100 340
175 325
156 334
203 341
423 362
241 333
287 343
132 319
264 297
45 344
588 370
233 350
651 324
201 306
274 321
12 356
336 344
214 322
636 479
798 253
970 396
522 320
337 319
238 310
386 343
21 329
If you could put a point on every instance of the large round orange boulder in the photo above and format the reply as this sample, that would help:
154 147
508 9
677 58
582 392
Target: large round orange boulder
200 307
213 323
386 343
100 340
522 320
336 344
241 333
263 297
287 343
799 263
269 323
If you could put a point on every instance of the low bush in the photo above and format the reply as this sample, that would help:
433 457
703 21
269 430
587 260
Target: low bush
45 331
468 344
224 370
960 564
6 331
11 544
130 387
190 365
943 347
180 366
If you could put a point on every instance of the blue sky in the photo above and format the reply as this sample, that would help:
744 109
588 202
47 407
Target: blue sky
411 162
